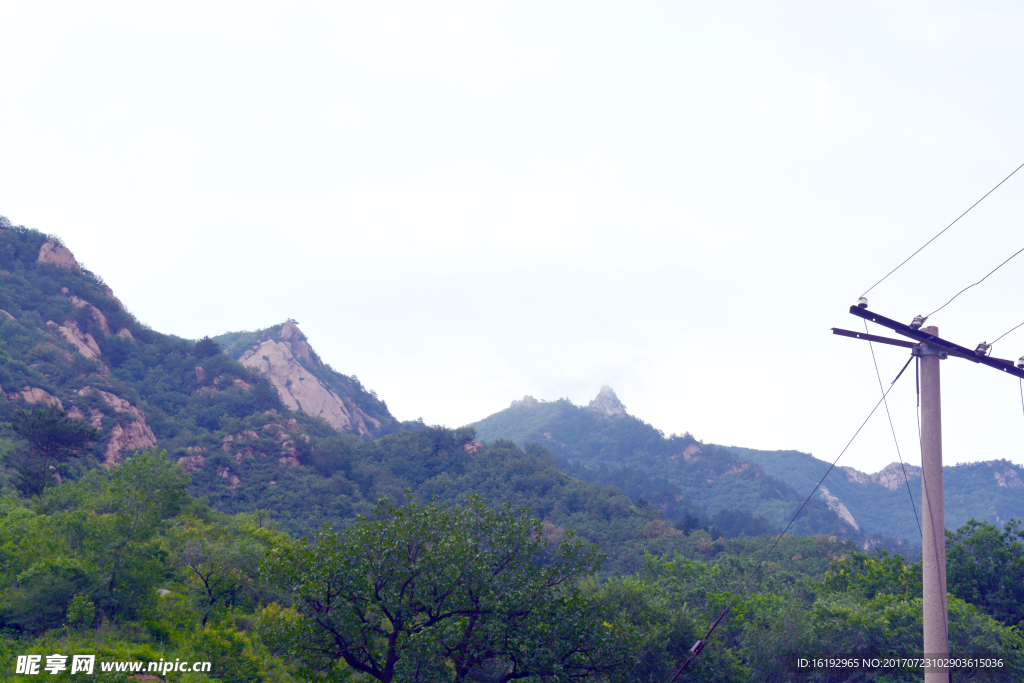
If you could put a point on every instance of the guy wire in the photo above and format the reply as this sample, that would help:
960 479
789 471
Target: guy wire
906 479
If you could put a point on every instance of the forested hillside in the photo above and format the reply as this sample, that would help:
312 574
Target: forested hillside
123 564
280 430
991 490
155 489
603 443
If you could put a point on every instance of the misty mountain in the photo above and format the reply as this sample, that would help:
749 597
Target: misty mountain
602 442
990 490
261 423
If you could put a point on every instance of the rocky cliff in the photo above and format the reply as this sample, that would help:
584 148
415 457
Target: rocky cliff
306 384
607 403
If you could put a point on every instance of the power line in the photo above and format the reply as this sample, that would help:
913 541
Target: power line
891 427
699 645
942 231
969 286
1006 333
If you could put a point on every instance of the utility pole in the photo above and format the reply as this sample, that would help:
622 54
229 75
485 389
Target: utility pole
933 522
931 349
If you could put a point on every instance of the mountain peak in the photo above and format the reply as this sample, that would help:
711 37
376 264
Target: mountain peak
607 403
291 335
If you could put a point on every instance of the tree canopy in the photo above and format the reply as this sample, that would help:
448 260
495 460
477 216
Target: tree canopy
49 437
424 587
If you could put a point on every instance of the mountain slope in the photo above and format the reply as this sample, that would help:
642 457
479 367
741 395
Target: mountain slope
602 442
268 426
992 491
307 384
603 438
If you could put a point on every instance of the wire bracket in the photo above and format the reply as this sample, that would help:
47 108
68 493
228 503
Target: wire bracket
922 350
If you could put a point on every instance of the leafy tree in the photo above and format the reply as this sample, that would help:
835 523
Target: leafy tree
205 348
145 490
399 597
986 568
868 575
49 437
221 561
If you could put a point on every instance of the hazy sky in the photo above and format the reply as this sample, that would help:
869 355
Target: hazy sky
463 203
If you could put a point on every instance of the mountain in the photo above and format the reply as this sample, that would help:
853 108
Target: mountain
602 442
261 423
990 491
305 383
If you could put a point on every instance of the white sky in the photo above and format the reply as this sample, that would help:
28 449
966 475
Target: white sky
463 203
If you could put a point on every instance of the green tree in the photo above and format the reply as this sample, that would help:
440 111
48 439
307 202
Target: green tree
49 438
220 560
986 568
205 348
145 491
436 592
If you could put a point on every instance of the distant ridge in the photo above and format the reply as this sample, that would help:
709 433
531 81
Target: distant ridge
602 442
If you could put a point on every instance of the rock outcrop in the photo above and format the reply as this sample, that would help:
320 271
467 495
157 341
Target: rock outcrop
97 314
890 476
298 388
110 295
33 395
95 417
607 403
131 432
837 507
192 463
84 342
1008 479
56 253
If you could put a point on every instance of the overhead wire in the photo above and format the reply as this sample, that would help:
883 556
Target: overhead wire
728 607
893 429
1006 333
975 284
942 231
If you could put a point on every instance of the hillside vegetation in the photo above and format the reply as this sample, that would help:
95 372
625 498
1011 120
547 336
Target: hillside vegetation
236 500
603 443
125 565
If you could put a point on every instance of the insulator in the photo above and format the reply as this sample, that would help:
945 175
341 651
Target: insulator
984 349
862 302
918 321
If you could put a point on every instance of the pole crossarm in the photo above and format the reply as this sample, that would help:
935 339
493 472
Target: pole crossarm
949 347
873 337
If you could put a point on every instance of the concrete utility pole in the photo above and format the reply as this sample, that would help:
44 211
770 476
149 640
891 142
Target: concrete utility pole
930 349
933 522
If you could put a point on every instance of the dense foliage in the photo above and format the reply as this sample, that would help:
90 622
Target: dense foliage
438 592
677 473
602 554
982 490
128 566
48 439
